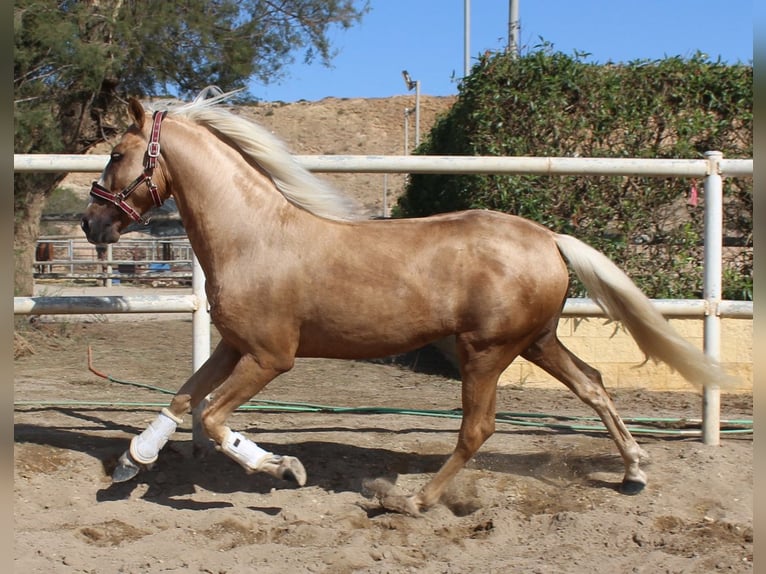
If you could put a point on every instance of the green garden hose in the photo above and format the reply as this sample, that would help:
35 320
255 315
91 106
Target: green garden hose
636 425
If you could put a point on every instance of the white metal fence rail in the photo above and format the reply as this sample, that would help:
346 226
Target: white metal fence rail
711 169
142 260
446 164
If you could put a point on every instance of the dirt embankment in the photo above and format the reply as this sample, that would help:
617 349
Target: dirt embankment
338 126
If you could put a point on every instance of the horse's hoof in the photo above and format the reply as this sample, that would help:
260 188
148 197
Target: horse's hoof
290 468
400 504
126 468
631 487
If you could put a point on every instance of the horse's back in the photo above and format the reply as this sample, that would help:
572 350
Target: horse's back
462 245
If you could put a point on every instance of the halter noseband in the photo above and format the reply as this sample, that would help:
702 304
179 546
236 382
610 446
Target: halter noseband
150 162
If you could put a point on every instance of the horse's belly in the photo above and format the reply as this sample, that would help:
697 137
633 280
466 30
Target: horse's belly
364 324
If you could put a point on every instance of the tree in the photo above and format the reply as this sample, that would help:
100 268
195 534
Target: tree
75 63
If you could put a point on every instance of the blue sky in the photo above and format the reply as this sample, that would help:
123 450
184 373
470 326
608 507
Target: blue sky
426 37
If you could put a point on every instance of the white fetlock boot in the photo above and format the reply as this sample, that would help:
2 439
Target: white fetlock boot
145 447
255 459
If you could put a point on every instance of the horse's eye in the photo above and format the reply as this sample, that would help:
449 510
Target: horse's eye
116 156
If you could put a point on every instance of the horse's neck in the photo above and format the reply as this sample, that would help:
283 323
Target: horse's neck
224 202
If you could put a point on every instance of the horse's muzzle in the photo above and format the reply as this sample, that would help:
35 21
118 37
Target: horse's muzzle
99 226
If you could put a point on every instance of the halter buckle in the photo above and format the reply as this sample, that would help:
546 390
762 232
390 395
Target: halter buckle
153 149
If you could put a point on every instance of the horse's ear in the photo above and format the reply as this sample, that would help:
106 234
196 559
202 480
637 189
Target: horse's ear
136 111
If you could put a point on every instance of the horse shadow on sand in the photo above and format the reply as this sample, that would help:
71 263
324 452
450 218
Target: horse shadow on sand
331 466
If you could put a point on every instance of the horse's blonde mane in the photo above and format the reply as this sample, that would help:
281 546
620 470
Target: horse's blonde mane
298 185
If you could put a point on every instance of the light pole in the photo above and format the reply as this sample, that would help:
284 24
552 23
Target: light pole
513 28
414 84
407 112
466 38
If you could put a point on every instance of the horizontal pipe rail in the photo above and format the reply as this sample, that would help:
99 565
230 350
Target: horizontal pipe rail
107 304
441 164
574 307
675 308
113 262
118 275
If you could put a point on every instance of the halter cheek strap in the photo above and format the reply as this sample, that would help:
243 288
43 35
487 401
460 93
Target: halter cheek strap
150 163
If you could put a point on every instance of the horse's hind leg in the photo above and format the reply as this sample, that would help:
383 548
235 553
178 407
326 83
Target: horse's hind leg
585 381
480 371
145 447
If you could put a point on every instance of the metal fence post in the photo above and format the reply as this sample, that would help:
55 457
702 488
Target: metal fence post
200 340
108 280
200 317
711 400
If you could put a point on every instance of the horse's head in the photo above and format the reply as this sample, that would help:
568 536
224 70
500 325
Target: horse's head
131 184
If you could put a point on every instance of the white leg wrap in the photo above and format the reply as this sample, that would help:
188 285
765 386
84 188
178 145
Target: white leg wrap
244 451
145 447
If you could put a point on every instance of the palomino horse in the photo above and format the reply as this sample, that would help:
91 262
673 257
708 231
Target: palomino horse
291 272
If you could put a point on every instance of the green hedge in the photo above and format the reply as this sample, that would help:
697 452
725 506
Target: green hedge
551 104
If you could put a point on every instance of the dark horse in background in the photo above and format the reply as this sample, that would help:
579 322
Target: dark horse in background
291 272
44 252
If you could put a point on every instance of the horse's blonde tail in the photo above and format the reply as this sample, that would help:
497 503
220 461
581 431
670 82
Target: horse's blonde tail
623 301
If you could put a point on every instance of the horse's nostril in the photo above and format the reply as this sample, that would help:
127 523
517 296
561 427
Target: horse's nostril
84 225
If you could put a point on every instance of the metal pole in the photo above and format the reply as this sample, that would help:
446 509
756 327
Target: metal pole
526 165
406 131
108 280
713 186
467 38
417 113
513 28
200 344
384 213
200 317
451 164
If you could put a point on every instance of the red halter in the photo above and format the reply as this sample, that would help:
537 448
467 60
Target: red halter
152 153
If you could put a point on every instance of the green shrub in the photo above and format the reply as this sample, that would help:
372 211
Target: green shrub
550 104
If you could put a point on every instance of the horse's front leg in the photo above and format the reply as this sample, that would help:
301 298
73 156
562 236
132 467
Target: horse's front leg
144 448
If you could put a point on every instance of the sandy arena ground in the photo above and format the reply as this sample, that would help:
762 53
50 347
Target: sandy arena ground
534 500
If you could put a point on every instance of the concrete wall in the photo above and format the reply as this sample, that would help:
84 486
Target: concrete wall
609 348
